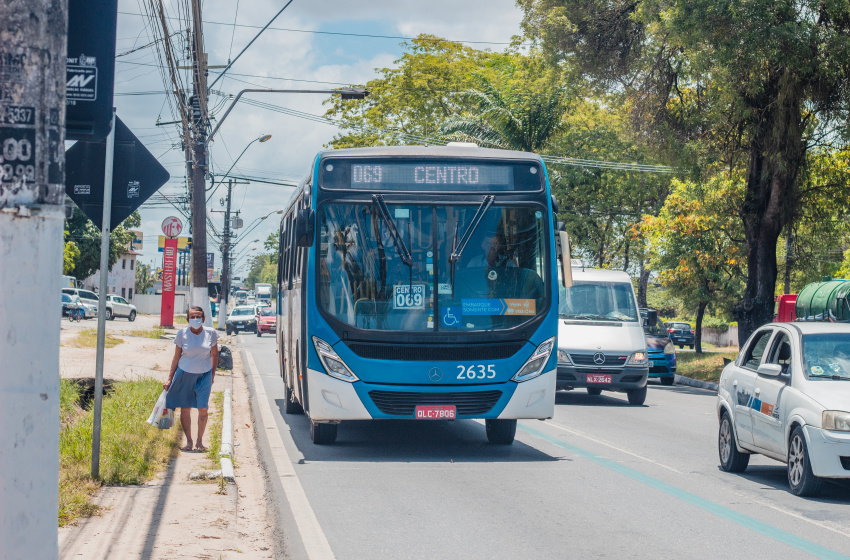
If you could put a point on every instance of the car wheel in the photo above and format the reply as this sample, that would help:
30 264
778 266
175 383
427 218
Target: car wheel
501 432
108 314
228 330
259 334
803 482
668 380
132 316
322 434
636 396
290 406
681 346
731 460
594 391
691 346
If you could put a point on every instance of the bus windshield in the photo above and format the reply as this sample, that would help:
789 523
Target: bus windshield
600 301
499 282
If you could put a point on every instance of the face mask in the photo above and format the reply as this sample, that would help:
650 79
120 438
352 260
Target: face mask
196 323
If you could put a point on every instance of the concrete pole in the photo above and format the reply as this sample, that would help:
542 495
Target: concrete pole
225 261
101 300
32 88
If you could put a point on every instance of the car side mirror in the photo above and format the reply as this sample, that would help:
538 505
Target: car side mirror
651 317
771 370
305 227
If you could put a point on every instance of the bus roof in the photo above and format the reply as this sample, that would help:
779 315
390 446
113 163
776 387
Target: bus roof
430 152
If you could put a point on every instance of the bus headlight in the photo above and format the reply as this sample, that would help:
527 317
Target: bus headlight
333 364
669 348
535 364
836 420
638 359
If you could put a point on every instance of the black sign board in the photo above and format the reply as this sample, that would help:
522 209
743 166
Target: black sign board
136 175
90 77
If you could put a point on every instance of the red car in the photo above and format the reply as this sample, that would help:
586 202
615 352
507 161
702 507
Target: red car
266 321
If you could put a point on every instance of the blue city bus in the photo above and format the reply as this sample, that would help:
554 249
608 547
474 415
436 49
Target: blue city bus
419 282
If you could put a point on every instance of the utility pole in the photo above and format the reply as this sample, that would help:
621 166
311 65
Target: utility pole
32 114
225 261
196 165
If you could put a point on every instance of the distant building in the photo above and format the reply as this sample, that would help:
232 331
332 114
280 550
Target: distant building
121 280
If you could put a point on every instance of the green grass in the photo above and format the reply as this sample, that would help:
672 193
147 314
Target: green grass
705 367
87 338
69 396
214 428
155 332
131 451
180 320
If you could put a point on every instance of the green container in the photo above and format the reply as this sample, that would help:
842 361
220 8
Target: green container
824 301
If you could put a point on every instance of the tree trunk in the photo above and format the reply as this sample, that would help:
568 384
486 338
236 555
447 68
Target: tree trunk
789 257
777 154
698 329
643 283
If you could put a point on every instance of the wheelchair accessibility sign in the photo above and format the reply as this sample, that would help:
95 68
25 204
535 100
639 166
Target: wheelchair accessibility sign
451 316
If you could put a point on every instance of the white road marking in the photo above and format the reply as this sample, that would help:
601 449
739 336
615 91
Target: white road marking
314 539
606 444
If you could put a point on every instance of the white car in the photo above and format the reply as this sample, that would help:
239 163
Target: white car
116 306
787 396
89 299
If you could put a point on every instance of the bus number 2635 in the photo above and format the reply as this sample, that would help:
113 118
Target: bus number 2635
476 371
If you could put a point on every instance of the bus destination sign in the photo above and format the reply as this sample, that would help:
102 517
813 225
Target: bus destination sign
369 176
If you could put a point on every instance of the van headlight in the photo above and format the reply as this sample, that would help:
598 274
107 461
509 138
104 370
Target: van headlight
669 348
836 420
333 364
534 365
638 359
563 357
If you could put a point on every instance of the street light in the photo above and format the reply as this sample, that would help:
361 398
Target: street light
263 138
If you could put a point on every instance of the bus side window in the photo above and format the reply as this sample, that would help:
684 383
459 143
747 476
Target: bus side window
280 277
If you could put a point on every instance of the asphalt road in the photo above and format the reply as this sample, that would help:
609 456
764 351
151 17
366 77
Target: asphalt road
601 480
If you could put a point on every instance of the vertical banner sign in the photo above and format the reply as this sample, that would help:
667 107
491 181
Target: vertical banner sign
169 282
210 266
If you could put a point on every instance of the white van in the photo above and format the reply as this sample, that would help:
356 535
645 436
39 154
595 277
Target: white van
88 298
601 344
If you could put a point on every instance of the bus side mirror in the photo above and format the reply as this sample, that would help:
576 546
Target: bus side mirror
305 227
566 265
554 205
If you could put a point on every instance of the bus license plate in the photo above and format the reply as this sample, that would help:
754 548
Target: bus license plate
436 412
597 378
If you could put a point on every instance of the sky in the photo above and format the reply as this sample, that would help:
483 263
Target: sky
292 57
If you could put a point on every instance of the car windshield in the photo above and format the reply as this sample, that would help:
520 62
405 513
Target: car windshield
66 298
827 355
267 312
498 282
243 311
603 301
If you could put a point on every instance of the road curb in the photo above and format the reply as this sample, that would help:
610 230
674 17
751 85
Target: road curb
226 453
682 380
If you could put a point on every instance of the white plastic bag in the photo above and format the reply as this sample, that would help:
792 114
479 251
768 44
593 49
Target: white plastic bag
158 410
167 419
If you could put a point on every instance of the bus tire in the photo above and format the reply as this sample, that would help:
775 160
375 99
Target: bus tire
322 434
501 432
291 406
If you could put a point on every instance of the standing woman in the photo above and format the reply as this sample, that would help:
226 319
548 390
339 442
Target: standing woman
192 375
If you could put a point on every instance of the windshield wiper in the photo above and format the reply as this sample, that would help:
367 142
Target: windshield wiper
458 247
833 377
400 246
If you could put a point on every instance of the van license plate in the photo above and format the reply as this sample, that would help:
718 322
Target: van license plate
436 412
597 378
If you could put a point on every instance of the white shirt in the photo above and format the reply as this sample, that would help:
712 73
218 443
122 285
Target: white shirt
197 349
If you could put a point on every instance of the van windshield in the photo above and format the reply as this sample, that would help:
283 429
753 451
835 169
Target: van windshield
599 301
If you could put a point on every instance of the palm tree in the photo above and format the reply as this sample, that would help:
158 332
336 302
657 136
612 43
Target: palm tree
510 121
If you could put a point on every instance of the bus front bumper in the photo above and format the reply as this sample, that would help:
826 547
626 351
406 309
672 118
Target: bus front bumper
333 400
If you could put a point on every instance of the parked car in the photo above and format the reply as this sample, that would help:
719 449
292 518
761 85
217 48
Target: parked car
681 334
662 353
601 345
88 298
241 319
266 321
116 306
787 396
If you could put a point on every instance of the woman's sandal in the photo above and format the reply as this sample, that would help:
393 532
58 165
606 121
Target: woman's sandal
200 448
187 447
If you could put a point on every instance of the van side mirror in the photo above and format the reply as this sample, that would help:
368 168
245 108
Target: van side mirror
305 227
651 317
771 370
566 265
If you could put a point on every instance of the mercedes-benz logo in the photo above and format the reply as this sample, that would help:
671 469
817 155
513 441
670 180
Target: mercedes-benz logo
599 358
435 374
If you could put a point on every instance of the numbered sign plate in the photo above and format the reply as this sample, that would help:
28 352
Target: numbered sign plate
409 296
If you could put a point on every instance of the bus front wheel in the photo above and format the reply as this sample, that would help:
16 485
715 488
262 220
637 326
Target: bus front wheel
322 434
500 431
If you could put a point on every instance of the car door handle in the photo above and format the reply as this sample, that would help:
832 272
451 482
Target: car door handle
735 383
758 391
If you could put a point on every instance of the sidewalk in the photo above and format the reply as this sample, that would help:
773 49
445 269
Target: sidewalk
171 516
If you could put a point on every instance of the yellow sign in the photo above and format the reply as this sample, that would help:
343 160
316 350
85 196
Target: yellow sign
182 243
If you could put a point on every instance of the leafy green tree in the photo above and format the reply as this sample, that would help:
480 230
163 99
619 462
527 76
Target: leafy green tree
698 246
82 232
70 255
757 83
145 278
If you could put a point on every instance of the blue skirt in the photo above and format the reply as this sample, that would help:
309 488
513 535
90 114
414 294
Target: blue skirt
189 390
